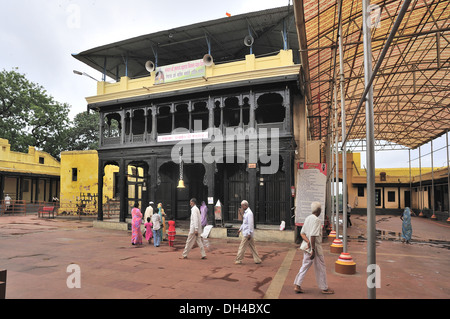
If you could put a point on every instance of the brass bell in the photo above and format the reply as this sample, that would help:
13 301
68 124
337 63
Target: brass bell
180 184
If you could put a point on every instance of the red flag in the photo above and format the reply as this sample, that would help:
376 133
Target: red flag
228 14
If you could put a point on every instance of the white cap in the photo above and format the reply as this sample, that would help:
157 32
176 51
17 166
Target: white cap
315 206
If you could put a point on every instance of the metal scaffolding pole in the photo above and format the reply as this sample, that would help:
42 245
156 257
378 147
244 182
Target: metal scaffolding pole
448 172
370 153
344 136
410 181
337 165
331 179
432 179
420 184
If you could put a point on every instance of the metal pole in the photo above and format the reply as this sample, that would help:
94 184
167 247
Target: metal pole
370 151
332 184
448 170
420 182
344 149
337 164
410 189
432 179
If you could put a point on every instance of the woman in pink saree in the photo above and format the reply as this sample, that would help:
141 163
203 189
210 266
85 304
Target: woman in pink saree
136 234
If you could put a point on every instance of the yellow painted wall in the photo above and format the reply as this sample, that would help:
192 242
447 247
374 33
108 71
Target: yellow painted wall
86 186
86 165
27 162
250 68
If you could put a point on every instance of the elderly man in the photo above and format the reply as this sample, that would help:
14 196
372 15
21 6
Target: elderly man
148 211
247 229
312 239
194 230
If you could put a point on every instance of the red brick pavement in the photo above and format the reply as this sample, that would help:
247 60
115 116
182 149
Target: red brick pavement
36 253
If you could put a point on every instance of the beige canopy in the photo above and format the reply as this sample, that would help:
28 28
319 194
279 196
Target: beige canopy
411 88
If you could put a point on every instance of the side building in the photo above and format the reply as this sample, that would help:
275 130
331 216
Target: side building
396 188
27 178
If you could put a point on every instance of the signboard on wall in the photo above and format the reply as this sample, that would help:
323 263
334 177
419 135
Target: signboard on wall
182 137
311 187
180 71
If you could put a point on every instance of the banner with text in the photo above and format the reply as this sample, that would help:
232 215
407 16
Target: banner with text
311 187
180 71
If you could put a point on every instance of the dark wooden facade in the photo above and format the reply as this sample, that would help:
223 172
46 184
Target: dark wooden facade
130 130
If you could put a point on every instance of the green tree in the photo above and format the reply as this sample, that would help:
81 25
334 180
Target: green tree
29 116
83 135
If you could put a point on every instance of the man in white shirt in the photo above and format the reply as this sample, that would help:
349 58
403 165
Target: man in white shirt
148 211
313 254
247 229
195 230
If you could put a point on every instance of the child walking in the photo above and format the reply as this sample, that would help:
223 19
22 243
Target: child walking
148 230
171 232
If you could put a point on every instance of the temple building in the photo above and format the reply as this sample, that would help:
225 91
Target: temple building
216 107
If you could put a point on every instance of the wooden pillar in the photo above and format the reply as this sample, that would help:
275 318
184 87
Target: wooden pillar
154 123
100 190
210 170
122 190
287 167
252 189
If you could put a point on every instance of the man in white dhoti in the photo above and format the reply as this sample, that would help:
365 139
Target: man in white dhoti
195 230
247 229
313 254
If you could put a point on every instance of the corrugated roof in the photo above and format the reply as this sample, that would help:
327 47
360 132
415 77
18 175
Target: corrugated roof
187 43
411 89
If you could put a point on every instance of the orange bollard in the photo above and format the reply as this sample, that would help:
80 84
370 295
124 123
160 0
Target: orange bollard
337 246
345 264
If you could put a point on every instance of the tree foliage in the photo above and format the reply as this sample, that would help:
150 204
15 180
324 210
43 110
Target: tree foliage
83 135
31 117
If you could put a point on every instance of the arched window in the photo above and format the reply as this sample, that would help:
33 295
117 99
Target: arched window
138 122
231 112
164 120
270 109
200 113
181 116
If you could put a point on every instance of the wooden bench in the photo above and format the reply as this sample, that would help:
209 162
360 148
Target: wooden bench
47 210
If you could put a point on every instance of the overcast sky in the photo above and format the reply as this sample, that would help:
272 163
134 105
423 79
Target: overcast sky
39 36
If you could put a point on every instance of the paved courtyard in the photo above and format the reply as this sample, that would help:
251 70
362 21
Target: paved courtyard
39 253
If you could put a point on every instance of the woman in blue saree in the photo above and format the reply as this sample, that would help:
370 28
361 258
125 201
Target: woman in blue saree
406 225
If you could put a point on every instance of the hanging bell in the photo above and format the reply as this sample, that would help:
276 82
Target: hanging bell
180 184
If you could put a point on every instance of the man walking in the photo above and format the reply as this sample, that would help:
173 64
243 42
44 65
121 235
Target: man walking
247 229
195 230
312 239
